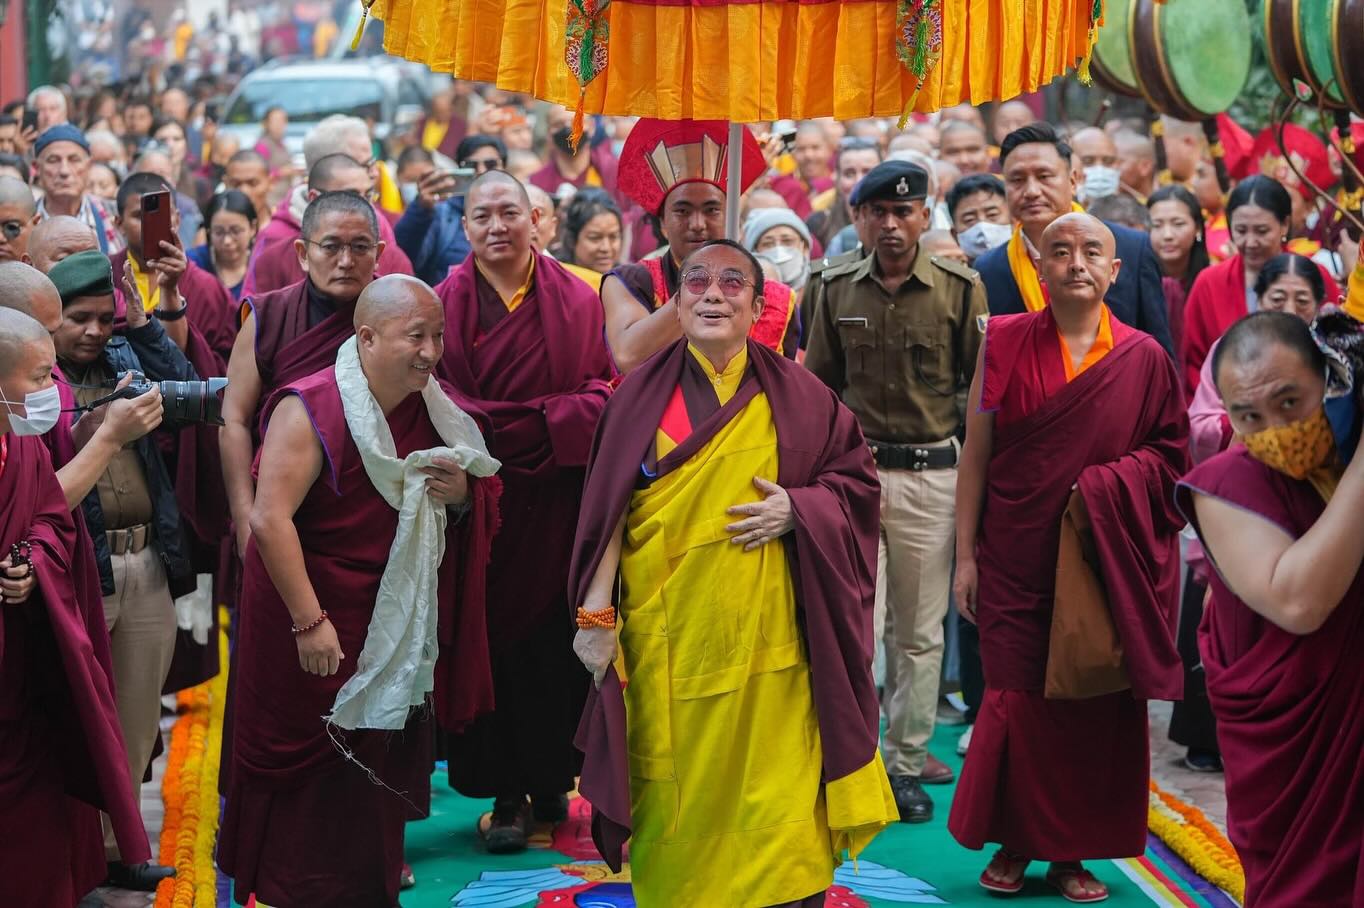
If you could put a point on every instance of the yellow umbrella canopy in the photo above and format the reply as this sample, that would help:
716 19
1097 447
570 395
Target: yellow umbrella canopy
748 60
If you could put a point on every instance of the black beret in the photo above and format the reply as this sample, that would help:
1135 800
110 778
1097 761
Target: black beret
891 181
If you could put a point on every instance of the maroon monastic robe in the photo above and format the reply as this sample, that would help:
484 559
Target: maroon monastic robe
826 468
540 374
1066 780
61 748
304 826
1290 712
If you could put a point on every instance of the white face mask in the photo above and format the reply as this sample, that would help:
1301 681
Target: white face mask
1101 182
408 191
42 409
983 236
792 267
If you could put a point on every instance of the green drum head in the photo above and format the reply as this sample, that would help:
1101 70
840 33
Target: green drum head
1315 31
1111 48
1207 50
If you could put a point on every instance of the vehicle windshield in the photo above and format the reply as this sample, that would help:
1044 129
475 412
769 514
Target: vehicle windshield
306 100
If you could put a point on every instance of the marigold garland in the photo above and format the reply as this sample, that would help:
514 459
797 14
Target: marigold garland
189 788
1197 841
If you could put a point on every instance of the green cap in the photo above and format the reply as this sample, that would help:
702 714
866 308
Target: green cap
83 274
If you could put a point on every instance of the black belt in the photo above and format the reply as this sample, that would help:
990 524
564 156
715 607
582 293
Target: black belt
912 457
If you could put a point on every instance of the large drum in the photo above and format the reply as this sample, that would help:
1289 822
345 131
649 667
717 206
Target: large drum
1111 63
1299 44
1190 58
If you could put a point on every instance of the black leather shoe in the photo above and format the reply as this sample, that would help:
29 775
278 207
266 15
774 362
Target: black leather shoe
507 829
137 877
914 803
549 808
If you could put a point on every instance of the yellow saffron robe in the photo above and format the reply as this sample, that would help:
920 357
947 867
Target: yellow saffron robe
725 761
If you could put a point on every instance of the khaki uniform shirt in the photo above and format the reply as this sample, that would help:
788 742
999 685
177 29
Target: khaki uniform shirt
898 360
124 495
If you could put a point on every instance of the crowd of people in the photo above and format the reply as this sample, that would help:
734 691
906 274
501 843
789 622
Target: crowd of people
501 407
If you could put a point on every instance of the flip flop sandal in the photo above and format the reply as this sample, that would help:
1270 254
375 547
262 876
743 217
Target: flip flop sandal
1060 878
993 885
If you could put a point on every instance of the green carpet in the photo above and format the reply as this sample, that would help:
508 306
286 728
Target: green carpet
906 864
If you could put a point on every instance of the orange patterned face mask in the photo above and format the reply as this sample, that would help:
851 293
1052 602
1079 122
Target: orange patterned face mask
1295 449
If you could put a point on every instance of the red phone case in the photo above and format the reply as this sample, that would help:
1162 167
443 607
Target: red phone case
156 223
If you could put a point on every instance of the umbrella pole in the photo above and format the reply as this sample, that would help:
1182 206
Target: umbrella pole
734 187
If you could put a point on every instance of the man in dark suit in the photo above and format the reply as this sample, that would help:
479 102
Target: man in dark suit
1040 185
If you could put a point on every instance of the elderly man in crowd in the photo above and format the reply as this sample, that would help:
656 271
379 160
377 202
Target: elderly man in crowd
62 158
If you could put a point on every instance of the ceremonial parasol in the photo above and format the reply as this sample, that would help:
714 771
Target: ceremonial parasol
748 60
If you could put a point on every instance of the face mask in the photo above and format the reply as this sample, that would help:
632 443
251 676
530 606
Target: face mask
563 140
42 409
1101 182
617 146
983 236
792 267
408 191
1295 449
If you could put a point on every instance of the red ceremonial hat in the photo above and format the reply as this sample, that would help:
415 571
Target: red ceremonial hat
660 155
1307 151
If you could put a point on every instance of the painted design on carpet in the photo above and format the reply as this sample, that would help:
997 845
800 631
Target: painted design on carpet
591 884
1188 833
189 789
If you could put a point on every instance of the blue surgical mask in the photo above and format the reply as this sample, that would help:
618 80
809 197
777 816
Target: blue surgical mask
41 409
1101 182
983 236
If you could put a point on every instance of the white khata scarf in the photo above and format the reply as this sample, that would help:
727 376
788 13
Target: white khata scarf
396 668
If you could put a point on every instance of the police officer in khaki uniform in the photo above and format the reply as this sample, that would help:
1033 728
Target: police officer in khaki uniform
895 334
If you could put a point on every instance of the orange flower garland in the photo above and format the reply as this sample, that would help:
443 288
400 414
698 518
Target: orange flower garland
190 791
1197 841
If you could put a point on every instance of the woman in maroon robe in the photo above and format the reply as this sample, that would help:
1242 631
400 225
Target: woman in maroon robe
1284 628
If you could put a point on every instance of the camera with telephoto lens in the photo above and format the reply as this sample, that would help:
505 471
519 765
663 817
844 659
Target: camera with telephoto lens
181 401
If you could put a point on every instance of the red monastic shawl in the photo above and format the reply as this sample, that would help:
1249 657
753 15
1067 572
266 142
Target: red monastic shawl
1119 431
1290 712
540 374
59 646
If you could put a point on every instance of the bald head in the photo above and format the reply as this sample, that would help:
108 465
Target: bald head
56 238
485 181
392 296
19 194
1092 147
23 342
399 328
1078 263
25 289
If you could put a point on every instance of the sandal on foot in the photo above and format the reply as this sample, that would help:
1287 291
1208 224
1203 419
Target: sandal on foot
1062 877
1008 859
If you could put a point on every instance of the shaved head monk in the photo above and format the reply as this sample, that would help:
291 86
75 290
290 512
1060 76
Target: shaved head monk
28 290
18 215
1281 637
57 238
370 511
1075 423
61 748
755 723
523 339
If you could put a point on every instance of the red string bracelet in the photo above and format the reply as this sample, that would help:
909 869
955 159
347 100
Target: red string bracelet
307 627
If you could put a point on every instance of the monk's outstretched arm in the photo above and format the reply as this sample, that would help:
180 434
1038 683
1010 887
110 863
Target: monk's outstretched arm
632 333
1295 584
975 459
234 438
